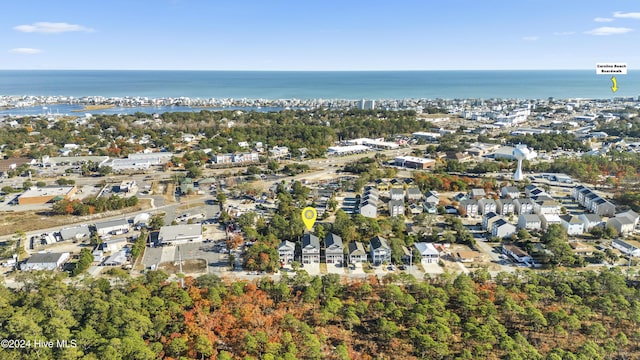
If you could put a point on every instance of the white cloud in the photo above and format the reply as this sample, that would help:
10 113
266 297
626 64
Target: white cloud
530 38
29 51
51 28
628 15
601 19
607 30
564 33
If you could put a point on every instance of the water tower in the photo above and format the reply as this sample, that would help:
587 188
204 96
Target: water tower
520 153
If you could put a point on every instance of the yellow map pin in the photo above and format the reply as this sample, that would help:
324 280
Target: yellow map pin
309 216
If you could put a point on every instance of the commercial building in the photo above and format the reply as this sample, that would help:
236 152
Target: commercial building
45 261
413 162
117 226
180 234
46 194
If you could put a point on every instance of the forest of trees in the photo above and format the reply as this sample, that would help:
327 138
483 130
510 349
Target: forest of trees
523 315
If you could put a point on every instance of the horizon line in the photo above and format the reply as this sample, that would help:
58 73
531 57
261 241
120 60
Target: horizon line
305 70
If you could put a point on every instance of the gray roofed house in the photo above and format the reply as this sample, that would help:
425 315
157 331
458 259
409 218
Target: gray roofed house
572 224
396 194
488 219
380 250
523 205
529 222
623 225
590 220
626 247
310 249
510 191
469 207
357 253
505 206
413 194
334 250
45 261
487 206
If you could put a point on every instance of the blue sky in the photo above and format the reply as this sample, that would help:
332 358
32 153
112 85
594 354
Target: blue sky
318 35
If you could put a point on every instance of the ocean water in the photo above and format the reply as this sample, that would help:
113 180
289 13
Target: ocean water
352 85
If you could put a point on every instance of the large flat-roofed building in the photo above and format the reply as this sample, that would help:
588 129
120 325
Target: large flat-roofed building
14 163
45 261
180 234
117 226
45 194
413 162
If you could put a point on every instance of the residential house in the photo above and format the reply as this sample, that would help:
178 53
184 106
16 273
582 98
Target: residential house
626 247
334 250
602 207
623 225
502 229
428 252
550 219
516 253
369 203
460 197
432 198
357 253
572 224
529 222
380 250
545 207
505 206
286 251
590 221
477 194
487 206
413 194
416 209
488 219
510 192
396 194
310 249
396 207
382 185
75 233
532 190
523 206
469 207
581 249
631 215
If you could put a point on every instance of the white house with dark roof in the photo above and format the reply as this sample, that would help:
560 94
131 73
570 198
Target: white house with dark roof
334 250
310 249
488 219
572 224
380 250
502 229
357 253
602 207
516 253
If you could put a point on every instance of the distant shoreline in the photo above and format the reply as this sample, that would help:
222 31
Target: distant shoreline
94 108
